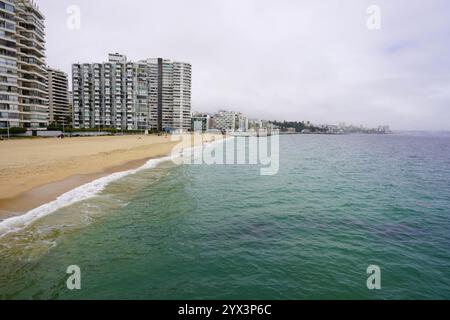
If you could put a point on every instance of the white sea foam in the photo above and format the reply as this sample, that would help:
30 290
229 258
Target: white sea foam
78 194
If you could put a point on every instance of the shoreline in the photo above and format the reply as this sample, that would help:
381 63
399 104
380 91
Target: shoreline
48 192
120 160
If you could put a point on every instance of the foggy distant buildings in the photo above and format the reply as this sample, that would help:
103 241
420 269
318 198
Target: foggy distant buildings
228 121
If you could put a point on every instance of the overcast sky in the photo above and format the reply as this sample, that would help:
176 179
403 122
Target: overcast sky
294 60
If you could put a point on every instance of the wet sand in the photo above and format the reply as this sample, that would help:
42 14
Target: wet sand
38 196
34 172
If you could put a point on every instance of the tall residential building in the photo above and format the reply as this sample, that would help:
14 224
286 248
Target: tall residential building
153 94
169 93
182 78
143 114
112 94
58 100
241 122
23 90
225 120
9 100
230 120
31 82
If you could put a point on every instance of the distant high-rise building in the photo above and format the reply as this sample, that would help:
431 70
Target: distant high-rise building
152 94
58 99
230 120
23 90
200 122
241 122
225 120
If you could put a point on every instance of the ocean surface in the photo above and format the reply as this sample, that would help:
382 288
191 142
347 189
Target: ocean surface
338 205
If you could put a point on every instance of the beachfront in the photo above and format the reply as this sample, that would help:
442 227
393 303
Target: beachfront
36 171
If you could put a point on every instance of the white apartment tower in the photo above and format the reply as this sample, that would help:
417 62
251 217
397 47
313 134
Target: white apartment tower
226 120
112 94
143 115
152 94
58 99
32 72
232 121
23 90
181 74
169 94
9 100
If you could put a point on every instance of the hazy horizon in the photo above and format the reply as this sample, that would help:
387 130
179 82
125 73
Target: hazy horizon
289 60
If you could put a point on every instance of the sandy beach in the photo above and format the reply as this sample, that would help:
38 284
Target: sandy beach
36 171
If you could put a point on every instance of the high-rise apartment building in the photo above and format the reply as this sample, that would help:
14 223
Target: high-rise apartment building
241 122
9 100
32 72
153 94
225 120
230 120
112 94
181 73
58 99
169 93
23 90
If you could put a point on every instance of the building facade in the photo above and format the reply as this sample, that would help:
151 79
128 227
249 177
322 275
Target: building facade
103 94
152 94
225 120
241 122
9 100
169 94
58 98
70 102
32 72
182 74
200 122
23 89
231 121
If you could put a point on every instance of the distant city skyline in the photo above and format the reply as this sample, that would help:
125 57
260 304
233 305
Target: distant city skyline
290 60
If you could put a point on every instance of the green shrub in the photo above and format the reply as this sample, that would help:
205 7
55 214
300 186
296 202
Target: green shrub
13 130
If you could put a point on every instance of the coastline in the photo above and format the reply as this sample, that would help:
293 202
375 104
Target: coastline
50 191
27 197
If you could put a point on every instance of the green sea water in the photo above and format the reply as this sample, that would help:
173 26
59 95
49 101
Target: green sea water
337 205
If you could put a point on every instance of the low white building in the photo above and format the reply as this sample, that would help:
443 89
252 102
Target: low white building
200 122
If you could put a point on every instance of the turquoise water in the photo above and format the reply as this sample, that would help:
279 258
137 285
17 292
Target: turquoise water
338 205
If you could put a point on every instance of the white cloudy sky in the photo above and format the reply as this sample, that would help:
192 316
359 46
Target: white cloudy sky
295 60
